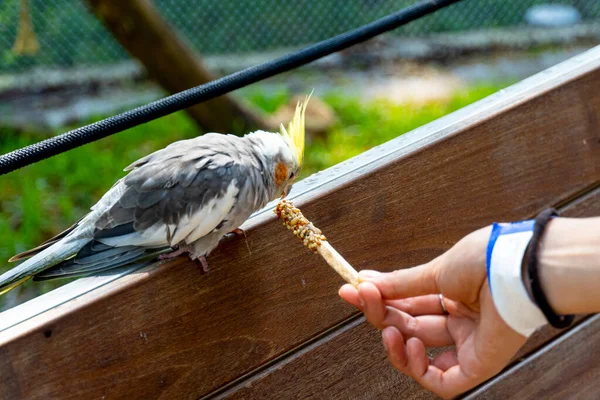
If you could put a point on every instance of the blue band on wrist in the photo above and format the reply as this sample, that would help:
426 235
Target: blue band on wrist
499 229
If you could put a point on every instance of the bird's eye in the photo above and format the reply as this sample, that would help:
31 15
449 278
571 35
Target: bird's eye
291 175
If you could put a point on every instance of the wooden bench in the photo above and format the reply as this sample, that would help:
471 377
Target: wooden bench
266 322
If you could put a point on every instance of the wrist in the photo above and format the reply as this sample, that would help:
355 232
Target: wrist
569 265
506 249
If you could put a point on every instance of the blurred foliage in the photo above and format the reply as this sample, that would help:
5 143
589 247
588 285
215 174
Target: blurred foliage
40 200
363 125
70 35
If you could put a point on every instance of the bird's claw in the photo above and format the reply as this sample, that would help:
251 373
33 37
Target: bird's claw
175 253
203 264
201 260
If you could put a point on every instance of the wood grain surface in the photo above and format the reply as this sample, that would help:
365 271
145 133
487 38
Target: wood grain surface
168 331
348 364
351 363
568 368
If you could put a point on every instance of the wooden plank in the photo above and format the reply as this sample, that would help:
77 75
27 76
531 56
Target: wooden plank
350 362
169 331
587 205
568 368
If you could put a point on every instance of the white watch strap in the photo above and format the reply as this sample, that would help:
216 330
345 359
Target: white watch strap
507 245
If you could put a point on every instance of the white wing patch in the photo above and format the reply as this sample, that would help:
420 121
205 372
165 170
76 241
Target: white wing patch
189 229
211 215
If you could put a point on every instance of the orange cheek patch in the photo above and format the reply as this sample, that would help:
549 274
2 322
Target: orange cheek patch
281 173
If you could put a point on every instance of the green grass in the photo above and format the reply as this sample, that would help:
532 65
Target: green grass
363 126
40 200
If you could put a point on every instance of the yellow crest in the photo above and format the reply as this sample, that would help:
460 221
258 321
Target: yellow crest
295 131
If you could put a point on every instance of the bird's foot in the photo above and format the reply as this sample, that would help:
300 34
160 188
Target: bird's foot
203 264
187 249
180 250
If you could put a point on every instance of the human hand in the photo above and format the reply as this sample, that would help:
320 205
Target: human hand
405 305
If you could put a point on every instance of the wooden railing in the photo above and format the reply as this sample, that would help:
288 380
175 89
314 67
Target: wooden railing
266 322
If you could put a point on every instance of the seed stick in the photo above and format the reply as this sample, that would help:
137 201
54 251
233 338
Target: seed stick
314 240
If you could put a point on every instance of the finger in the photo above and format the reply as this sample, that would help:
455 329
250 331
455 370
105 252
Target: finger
421 305
374 306
418 362
350 295
400 284
446 384
393 342
411 359
408 358
458 273
432 330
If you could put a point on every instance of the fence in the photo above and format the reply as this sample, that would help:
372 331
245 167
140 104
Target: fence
69 35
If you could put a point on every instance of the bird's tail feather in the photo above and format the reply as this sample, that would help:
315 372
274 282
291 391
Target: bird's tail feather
45 259
14 285
89 262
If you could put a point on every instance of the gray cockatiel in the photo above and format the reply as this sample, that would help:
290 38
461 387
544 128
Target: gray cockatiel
183 198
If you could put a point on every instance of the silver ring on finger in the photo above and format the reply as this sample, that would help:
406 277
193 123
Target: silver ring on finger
444 309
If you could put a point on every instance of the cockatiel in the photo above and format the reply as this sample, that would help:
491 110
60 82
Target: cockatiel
183 198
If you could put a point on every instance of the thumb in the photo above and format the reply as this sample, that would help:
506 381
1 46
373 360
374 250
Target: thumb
403 283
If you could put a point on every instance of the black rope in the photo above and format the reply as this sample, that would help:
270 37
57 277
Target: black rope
179 101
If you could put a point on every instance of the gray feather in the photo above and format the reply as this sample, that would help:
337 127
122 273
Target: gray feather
47 258
71 270
129 199
118 230
160 191
177 181
104 255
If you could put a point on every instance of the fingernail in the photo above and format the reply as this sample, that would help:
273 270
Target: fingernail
369 274
384 340
361 301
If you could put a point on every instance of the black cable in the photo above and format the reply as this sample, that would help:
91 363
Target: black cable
50 147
